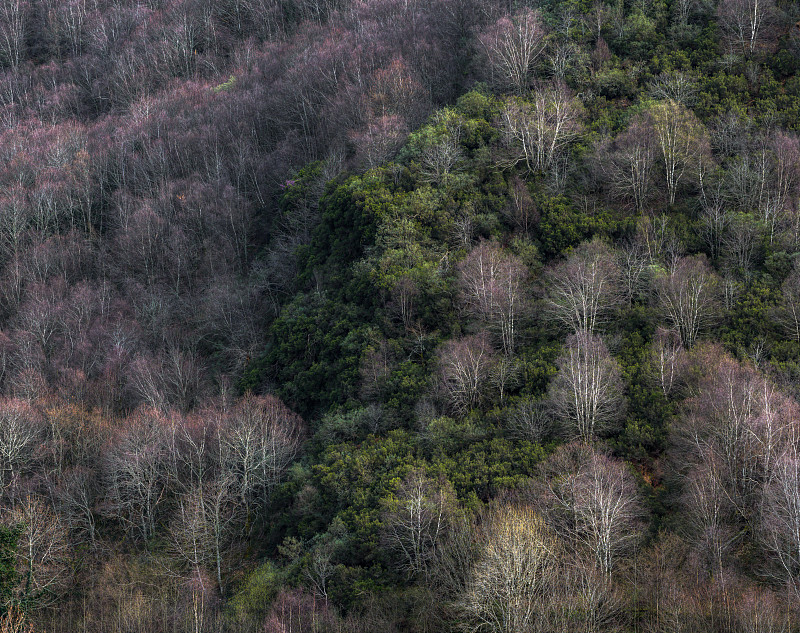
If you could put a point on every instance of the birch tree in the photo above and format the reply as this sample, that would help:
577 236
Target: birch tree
492 286
539 131
581 292
680 138
512 45
687 297
586 394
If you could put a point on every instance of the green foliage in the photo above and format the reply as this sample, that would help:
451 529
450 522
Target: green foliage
315 349
563 225
484 469
353 478
9 578
252 600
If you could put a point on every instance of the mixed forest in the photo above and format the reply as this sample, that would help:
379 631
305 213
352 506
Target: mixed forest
327 316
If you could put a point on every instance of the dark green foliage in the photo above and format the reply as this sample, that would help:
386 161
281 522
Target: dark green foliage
315 352
9 578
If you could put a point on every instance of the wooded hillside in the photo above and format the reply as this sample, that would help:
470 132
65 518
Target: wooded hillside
391 315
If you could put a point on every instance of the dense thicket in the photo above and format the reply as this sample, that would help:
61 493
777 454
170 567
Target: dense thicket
327 315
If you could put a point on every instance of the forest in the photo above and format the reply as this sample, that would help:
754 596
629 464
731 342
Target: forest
374 316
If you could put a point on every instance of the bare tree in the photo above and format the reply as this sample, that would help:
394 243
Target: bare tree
780 206
668 359
513 577
203 527
538 132
260 439
634 266
681 142
512 45
744 21
43 552
781 524
491 282
13 27
464 371
714 215
416 519
687 297
708 513
440 158
593 503
530 419
676 86
582 291
20 431
521 209
789 311
76 493
629 169
740 243
137 468
586 394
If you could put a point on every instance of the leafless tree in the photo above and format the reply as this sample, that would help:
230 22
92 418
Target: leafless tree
204 525
464 371
260 439
687 296
676 86
13 27
20 431
564 56
512 46
582 291
593 503
681 142
492 284
709 514
734 433
629 169
586 394
587 599
521 209
740 243
781 524
780 207
789 311
531 420
76 494
137 467
43 560
513 577
668 360
416 519
744 21
715 215
634 266
658 236
538 131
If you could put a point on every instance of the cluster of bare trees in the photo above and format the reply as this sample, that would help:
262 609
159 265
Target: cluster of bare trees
547 563
582 293
570 554
738 447
201 481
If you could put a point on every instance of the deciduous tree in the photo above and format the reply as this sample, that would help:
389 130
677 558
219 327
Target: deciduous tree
687 297
464 371
582 291
512 46
416 520
492 283
681 141
586 394
539 131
